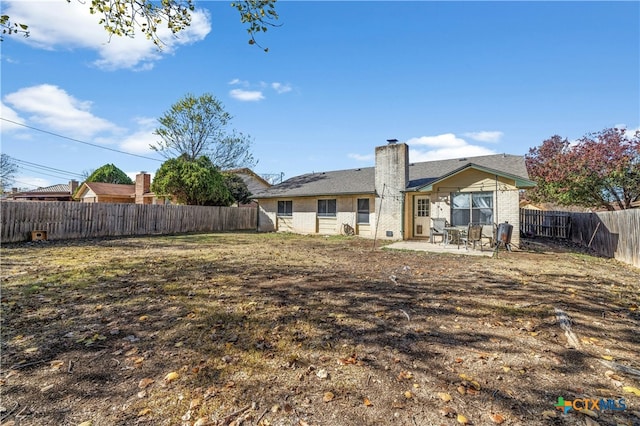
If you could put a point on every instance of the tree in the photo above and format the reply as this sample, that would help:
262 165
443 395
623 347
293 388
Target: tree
125 17
109 174
193 182
196 126
8 169
601 170
237 187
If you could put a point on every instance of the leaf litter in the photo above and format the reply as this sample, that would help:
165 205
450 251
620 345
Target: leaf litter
273 329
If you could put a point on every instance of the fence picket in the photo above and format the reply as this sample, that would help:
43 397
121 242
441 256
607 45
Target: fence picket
68 220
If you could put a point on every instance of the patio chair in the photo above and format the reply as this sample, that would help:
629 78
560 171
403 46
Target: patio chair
473 235
438 228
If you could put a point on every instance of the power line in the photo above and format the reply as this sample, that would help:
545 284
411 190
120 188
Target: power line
78 141
46 168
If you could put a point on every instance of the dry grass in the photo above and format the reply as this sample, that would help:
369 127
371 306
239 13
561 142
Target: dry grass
277 329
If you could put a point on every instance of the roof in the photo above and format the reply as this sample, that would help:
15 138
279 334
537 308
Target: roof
58 190
362 180
112 189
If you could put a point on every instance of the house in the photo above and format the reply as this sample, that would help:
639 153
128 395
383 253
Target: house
255 183
396 199
59 192
100 192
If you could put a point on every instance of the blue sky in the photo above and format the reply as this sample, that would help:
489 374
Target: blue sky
452 79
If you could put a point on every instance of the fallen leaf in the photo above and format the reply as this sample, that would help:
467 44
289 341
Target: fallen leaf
143 318
632 390
461 390
145 382
408 395
171 377
366 402
328 396
607 357
397 405
549 414
446 397
462 419
497 418
87 423
202 421
56 364
405 375
447 412
195 403
506 368
144 412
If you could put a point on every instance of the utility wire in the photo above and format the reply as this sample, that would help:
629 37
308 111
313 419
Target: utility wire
42 173
78 141
46 168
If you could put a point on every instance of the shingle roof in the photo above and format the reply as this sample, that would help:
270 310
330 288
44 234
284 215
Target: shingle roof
101 188
63 187
362 181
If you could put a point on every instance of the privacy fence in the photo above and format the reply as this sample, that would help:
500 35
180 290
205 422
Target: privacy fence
69 220
611 234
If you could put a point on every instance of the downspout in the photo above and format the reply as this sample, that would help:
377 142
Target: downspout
402 221
257 215
496 207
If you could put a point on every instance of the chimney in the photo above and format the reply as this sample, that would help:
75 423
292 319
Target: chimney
73 185
143 186
391 178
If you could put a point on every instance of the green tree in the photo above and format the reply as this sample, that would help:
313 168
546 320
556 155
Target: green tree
237 187
109 174
601 170
194 182
125 17
8 169
196 126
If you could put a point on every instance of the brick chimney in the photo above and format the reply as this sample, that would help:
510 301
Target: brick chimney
73 185
143 186
391 178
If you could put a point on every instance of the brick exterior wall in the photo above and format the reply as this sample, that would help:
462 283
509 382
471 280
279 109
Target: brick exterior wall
391 177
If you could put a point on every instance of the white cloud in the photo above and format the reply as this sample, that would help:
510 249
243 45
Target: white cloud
74 27
53 108
9 114
246 95
361 157
138 142
281 88
441 147
485 136
31 182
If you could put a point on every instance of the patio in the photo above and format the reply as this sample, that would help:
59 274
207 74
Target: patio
439 248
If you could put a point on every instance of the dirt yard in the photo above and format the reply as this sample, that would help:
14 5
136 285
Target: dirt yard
267 329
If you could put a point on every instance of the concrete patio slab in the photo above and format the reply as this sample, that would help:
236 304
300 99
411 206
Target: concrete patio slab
438 248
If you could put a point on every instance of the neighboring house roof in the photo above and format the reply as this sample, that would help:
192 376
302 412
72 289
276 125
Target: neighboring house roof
59 190
107 189
362 181
254 182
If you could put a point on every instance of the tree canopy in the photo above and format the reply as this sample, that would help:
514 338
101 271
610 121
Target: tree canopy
196 126
125 17
601 170
237 187
193 182
8 169
109 173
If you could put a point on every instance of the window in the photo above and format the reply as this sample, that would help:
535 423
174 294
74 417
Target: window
423 207
285 208
327 208
363 210
476 207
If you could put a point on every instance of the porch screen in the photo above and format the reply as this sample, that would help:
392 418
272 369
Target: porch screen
476 207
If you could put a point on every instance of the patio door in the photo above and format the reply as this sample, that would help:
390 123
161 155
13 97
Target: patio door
421 218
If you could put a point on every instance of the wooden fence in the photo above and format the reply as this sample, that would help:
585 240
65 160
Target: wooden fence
539 223
69 220
611 234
